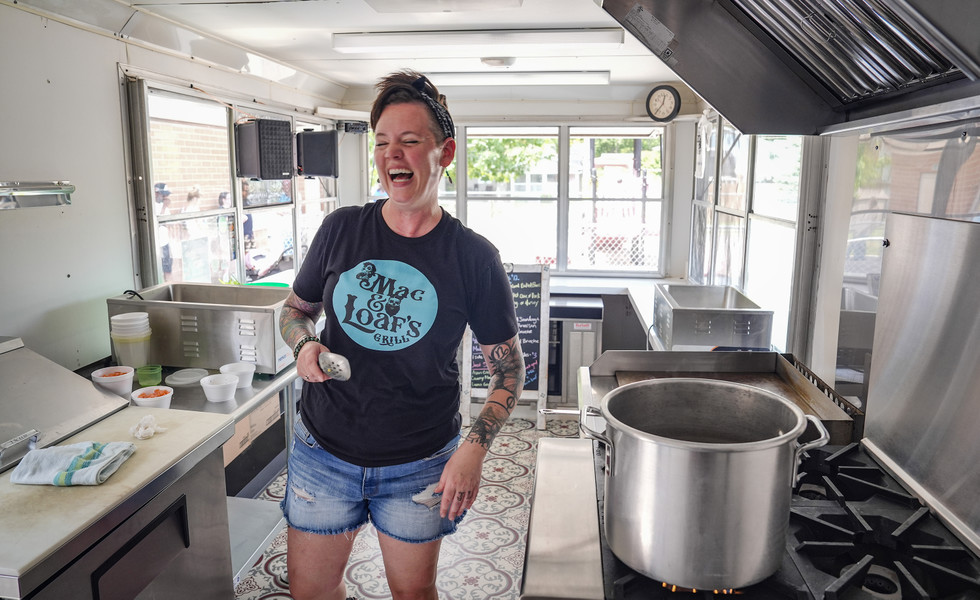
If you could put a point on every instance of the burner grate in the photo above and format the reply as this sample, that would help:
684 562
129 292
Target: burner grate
845 475
854 534
864 550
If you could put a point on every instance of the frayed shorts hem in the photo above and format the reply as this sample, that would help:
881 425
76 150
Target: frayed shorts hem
342 531
437 537
356 528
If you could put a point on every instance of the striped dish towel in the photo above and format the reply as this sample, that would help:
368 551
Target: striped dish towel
84 463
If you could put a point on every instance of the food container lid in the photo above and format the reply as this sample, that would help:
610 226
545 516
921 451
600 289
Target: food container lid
186 377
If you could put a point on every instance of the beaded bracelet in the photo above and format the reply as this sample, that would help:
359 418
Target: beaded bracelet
302 342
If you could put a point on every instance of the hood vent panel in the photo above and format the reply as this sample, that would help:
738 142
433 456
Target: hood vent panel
813 66
858 49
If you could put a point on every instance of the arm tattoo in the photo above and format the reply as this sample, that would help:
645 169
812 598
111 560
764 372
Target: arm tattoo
298 318
507 372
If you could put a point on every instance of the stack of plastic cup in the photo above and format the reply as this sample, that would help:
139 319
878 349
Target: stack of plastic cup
130 333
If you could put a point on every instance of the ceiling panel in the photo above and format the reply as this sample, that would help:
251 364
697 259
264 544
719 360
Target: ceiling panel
299 34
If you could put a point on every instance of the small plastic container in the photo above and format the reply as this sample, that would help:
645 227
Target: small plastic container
156 396
243 370
118 380
149 374
220 387
132 350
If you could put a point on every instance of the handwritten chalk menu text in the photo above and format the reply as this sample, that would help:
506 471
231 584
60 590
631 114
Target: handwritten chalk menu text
527 289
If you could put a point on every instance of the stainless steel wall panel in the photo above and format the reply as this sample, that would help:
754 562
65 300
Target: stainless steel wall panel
923 412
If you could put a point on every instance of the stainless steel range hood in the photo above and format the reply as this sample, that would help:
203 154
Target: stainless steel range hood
811 66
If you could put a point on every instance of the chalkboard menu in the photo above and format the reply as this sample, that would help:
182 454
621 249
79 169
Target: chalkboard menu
529 284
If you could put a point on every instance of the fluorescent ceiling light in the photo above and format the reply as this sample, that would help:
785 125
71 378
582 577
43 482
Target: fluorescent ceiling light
342 114
355 43
521 78
440 6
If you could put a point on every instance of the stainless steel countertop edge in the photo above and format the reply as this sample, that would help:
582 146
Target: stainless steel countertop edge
14 586
563 558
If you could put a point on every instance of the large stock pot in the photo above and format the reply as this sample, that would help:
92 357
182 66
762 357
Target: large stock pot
699 477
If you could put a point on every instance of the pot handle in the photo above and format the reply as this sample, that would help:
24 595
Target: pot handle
588 431
820 441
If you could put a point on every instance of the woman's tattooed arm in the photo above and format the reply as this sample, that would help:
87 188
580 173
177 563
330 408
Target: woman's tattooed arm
506 364
298 318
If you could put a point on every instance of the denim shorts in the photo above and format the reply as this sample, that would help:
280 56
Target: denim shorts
328 496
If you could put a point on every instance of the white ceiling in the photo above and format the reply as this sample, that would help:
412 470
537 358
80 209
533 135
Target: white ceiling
300 34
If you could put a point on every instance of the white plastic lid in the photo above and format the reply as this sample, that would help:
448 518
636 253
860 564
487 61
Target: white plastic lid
187 377
132 317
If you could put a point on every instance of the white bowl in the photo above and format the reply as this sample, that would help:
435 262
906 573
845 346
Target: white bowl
162 401
121 385
243 370
220 388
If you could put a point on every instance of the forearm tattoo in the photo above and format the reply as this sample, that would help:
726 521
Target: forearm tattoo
506 364
298 318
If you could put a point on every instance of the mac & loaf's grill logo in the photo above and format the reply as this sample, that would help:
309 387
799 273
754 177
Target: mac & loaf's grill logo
385 304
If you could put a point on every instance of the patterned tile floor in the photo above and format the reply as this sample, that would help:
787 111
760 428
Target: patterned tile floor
483 560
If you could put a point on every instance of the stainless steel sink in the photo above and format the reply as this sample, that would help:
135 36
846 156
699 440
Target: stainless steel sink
699 317
224 295
207 325
707 296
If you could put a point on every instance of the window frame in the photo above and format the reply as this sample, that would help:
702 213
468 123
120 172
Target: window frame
137 91
563 200
807 190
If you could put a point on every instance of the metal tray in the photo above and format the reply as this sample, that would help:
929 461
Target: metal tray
42 403
779 373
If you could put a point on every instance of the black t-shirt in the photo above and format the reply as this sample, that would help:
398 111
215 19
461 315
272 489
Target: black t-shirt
397 308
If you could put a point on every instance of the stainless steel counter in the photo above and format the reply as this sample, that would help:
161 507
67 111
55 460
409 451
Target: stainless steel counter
154 524
42 403
563 558
191 397
252 523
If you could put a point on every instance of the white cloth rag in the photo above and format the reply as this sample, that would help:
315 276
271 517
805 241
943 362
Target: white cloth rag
145 428
84 463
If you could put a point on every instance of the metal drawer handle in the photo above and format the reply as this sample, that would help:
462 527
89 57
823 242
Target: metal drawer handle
27 435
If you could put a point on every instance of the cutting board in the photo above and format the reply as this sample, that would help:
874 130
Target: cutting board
37 519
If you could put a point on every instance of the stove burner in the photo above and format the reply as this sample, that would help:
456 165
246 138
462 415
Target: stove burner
854 534
882 583
846 474
863 550
812 491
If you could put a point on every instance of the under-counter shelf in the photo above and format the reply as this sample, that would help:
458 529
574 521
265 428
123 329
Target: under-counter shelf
252 524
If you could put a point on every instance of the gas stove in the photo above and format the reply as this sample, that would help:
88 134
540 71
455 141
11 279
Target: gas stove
855 534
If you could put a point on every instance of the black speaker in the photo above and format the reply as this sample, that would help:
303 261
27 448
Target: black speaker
316 153
264 149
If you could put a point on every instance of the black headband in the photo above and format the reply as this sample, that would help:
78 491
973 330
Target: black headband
441 112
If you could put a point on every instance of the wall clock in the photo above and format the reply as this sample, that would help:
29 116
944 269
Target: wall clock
663 103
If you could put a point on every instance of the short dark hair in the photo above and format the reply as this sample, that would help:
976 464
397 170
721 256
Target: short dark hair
399 88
